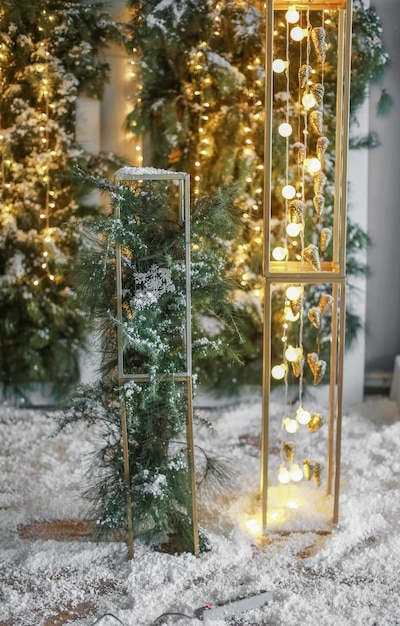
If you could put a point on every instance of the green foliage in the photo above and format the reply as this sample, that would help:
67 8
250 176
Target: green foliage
50 54
154 306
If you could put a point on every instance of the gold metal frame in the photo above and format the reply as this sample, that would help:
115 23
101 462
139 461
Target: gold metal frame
122 176
333 273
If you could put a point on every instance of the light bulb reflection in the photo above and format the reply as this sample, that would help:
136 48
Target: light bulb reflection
303 416
312 165
283 475
296 473
291 426
294 292
293 230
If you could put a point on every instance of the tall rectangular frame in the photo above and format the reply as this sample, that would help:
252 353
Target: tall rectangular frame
332 272
125 175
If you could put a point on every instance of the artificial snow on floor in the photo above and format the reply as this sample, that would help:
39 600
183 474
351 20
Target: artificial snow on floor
349 577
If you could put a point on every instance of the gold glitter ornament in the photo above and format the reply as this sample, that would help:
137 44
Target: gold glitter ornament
296 211
318 91
325 302
308 469
319 203
318 37
312 359
315 422
314 315
319 182
325 238
311 254
299 152
316 118
317 474
297 367
289 449
319 371
295 305
304 74
321 146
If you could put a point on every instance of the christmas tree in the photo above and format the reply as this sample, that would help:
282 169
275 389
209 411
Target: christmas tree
200 104
145 223
49 54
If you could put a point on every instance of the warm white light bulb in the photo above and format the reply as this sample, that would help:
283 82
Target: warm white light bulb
292 15
296 473
288 192
278 371
279 253
291 426
285 129
312 165
291 354
297 33
293 292
290 316
283 475
308 101
303 416
293 230
279 66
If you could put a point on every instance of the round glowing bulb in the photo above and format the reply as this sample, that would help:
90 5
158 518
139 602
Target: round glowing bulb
297 33
283 475
285 129
279 66
293 292
312 165
288 192
291 426
303 416
308 101
278 371
296 473
293 229
292 15
291 354
290 316
279 253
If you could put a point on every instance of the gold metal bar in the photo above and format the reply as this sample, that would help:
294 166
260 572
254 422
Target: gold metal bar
127 477
332 390
342 323
315 5
191 459
269 55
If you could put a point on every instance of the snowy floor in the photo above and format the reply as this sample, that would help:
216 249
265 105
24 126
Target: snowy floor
348 578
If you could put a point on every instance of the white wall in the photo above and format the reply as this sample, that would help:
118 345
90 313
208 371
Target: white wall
383 285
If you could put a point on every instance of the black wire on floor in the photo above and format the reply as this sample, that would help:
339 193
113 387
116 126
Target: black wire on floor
155 623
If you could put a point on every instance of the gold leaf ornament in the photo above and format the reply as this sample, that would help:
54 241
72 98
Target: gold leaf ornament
314 315
318 37
321 146
297 367
315 422
299 152
319 371
318 91
316 120
304 74
296 211
308 469
311 254
319 203
319 182
325 303
317 474
325 238
317 367
289 450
